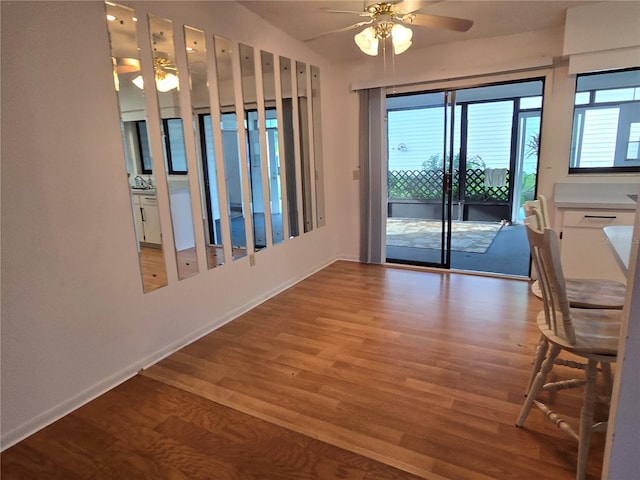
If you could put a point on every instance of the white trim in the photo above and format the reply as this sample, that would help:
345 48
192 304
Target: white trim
435 76
604 60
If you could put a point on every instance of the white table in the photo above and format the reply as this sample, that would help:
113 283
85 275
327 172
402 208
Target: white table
620 238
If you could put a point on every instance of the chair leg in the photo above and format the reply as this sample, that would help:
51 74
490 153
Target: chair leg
608 377
586 418
541 351
538 383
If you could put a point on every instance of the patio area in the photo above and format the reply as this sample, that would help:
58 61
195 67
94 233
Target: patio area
475 246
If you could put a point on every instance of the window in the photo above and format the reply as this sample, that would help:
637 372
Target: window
144 154
606 123
174 144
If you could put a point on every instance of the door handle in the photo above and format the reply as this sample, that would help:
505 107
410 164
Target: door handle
446 182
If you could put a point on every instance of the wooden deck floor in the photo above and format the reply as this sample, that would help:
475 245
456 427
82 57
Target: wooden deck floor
358 372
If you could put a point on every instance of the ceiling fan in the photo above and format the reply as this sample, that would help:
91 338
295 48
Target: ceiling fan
388 19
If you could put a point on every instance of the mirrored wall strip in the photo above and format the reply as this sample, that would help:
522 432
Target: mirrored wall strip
268 134
156 140
305 147
279 150
232 126
289 143
191 148
203 130
263 153
167 87
242 150
123 37
253 145
312 155
317 145
295 132
222 224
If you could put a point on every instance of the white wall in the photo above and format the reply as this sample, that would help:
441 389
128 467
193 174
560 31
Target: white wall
74 319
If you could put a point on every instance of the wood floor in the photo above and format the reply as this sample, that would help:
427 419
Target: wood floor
154 271
358 372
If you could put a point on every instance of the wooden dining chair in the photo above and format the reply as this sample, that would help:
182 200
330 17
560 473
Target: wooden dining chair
591 334
582 293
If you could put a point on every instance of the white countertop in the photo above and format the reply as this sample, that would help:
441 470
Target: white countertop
596 195
620 238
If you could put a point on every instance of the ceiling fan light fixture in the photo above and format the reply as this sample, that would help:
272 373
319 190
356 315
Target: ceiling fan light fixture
166 81
367 41
401 38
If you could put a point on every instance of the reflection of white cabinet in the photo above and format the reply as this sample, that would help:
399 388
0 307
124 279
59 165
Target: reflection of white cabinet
585 252
145 207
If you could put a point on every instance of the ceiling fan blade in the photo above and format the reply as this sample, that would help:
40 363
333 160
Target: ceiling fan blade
352 12
344 29
435 21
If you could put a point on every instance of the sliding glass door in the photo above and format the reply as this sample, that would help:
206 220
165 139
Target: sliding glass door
460 165
422 145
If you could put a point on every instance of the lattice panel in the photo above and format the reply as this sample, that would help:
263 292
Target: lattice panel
475 188
415 184
427 185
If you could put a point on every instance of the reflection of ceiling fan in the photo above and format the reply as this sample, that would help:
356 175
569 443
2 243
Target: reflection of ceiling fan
125 65
388 19
165 72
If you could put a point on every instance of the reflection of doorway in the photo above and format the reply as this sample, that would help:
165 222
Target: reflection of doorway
494 169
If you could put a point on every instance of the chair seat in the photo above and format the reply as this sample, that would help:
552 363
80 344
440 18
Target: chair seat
586 293
597 331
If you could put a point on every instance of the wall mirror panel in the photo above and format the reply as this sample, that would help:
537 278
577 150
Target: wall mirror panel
272 146
230 145
317 145
252 143
167 86
305 146
291 182
203 129
121 25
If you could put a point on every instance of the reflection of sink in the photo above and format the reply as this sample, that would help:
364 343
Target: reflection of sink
633 196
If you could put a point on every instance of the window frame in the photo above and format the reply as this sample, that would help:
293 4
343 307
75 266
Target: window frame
141 147
171 170
592 104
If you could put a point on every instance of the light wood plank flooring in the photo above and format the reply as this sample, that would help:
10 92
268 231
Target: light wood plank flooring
154 271
358 372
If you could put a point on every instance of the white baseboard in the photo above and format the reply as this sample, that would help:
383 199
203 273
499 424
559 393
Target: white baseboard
46 418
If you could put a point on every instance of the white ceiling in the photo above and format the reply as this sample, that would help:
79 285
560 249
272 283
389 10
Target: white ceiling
304 19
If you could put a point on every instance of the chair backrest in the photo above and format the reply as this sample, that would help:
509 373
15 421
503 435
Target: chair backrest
538 209
545 251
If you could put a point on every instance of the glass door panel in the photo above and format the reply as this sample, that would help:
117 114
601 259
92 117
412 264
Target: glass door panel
420 178
526 170
464 161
